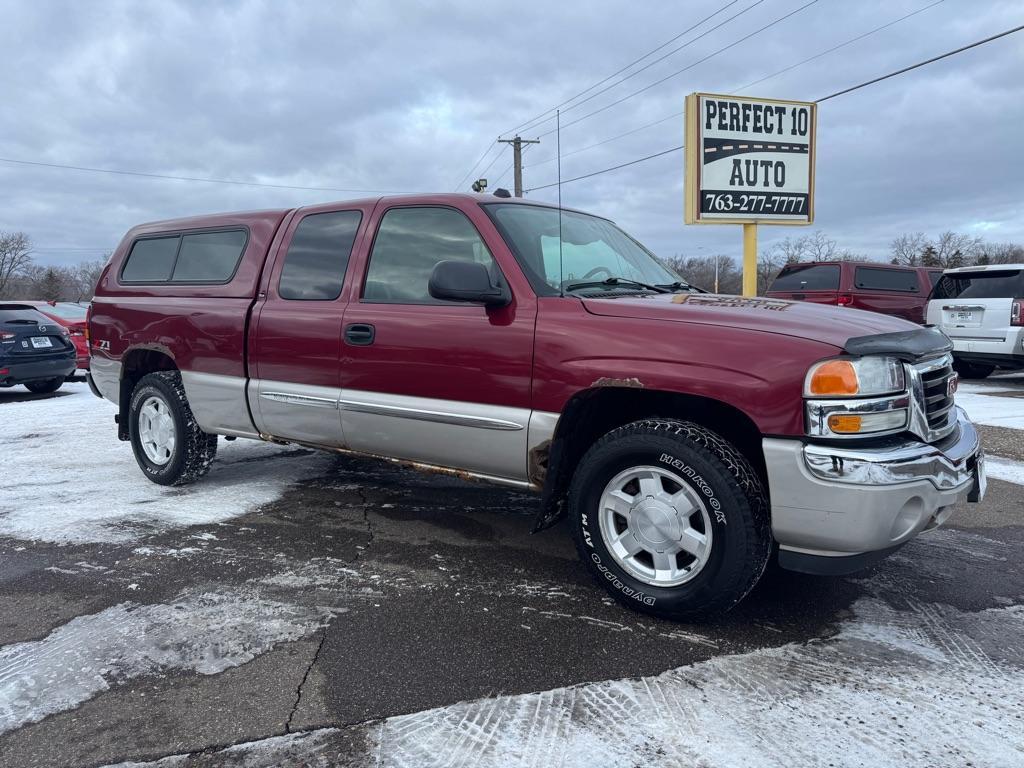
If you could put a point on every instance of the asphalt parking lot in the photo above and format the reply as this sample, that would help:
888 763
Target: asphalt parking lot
297 608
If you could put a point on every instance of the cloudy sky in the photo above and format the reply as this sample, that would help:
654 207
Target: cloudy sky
406 96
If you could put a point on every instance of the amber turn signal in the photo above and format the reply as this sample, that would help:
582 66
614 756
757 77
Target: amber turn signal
834 377
844 424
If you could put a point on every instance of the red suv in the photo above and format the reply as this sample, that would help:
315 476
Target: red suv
683 434
876 287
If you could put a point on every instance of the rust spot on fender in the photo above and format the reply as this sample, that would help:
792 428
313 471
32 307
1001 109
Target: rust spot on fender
537 463
605 381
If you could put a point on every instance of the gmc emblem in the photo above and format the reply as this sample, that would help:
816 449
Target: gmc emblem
951 385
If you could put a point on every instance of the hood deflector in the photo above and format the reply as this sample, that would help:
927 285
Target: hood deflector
908 346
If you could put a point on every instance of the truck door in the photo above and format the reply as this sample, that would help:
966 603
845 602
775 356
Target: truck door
444 383
295 341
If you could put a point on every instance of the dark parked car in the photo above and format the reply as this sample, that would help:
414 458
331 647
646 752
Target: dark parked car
34 350
885 288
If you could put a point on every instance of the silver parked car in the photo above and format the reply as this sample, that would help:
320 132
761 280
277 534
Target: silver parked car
980 309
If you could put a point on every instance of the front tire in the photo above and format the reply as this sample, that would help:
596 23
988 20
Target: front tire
169 446
670 518
44 387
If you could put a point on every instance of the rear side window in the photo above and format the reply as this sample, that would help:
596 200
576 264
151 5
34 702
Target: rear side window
934 275
877 279
410 241
200 257
807 277
151 260
208 257
314 267
990 284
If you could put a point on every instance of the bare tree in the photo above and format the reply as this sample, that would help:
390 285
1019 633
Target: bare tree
81 279
1001 253
907 249
956 250
15 258
820 247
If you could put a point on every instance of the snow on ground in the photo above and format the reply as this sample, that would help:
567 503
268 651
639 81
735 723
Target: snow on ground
998 468
205 632
994 410
68 479
924 685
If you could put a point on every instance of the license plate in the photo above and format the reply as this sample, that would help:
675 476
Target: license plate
965 317
980 481
41 342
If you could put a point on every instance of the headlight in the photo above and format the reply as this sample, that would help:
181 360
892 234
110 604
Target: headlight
855 377
852 397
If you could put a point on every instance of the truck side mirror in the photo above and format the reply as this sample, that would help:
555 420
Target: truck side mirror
467 281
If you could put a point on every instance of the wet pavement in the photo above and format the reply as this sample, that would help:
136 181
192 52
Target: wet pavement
372 615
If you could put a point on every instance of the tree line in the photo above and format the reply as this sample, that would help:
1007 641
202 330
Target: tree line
948 250
22 278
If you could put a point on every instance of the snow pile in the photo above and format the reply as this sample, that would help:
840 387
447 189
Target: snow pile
206 632
68 479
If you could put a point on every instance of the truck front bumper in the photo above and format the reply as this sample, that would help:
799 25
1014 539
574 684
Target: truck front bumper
837 509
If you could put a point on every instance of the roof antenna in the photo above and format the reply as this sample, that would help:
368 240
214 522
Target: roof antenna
558 154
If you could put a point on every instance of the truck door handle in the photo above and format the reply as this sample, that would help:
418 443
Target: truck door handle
359 334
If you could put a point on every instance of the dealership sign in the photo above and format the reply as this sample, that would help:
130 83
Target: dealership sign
749 161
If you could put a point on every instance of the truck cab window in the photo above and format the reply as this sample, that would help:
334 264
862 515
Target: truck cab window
315 264
410 241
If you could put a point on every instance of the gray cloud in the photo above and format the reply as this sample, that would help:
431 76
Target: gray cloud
405 96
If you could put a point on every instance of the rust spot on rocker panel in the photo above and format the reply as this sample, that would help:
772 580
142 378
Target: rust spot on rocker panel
537 463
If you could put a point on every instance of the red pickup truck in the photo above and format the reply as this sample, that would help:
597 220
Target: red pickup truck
686 436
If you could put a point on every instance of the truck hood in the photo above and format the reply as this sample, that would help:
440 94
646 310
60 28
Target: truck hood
817 322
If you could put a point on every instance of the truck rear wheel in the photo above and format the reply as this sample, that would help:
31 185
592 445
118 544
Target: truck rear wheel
169 446
670 518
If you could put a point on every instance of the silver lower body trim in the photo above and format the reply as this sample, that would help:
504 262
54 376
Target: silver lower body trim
218 403
835 501
438 417
106 377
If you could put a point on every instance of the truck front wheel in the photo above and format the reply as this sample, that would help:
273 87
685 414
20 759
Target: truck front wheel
168 444
670 518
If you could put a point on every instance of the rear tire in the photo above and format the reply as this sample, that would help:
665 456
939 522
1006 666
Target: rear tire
169 446
684 530
972 370
45 386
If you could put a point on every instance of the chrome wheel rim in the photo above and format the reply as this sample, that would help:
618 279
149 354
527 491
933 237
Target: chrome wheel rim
655 526
156 430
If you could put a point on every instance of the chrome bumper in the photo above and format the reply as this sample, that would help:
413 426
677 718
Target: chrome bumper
840 501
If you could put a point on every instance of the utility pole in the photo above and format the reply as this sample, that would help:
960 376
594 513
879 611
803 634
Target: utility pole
517 160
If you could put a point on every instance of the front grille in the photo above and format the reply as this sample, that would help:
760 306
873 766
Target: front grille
938 403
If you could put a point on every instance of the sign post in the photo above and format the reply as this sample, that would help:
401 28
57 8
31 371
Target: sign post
749 161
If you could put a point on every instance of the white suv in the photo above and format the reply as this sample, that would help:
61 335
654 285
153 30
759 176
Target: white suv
980 309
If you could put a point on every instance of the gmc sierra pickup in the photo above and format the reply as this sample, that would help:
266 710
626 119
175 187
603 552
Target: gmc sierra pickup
687 436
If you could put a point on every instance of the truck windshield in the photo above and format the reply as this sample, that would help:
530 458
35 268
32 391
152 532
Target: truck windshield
592 250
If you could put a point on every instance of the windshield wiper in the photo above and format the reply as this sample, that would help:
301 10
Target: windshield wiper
678 285
614 281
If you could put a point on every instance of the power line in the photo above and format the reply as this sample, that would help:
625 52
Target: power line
606 170
186 178
475 166
826 98
840 45
538 121
684 69
748 85
922 63
609 140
